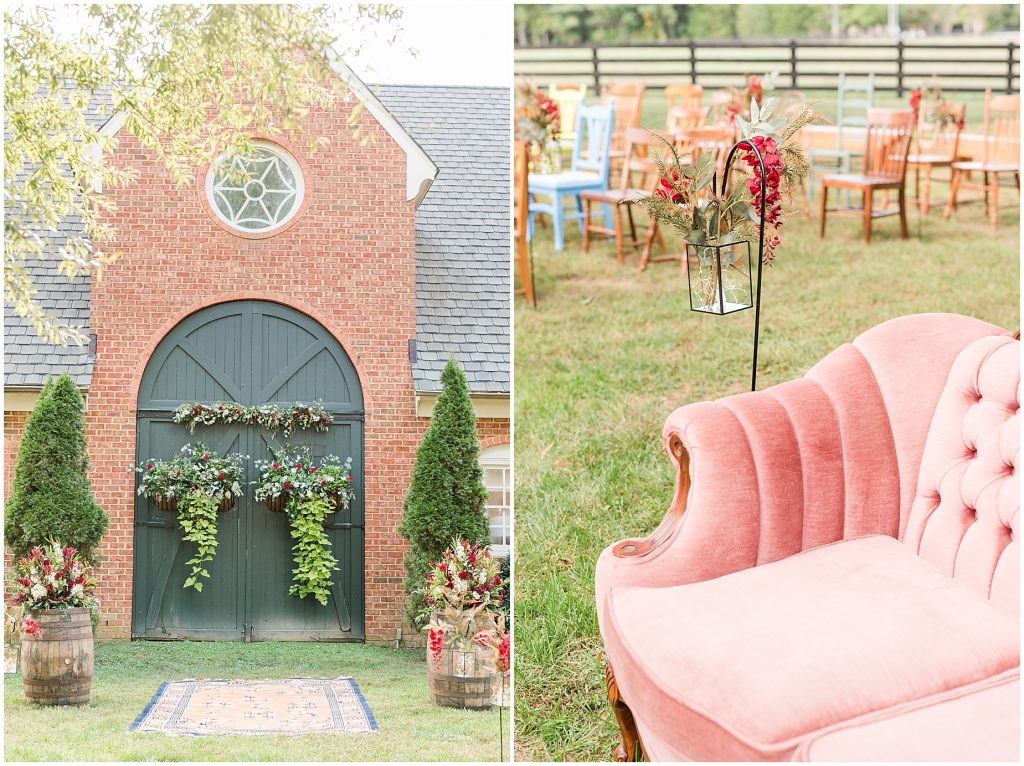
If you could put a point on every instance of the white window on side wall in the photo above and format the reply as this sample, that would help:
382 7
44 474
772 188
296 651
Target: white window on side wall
498 481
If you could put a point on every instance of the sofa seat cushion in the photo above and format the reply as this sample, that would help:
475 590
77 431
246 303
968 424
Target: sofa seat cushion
982 724
747 666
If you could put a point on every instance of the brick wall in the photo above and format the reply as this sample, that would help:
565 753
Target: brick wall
348 261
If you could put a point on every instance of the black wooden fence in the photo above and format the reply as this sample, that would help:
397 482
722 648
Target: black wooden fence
800 64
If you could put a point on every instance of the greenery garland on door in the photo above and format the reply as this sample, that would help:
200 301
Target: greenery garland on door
270 417
196 483
309 491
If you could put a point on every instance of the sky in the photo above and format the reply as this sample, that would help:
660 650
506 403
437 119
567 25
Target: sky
455 44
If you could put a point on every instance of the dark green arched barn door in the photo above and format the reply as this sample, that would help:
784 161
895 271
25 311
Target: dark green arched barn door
251 352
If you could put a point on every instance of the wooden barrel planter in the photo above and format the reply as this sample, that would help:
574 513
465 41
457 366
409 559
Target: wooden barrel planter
463 679
57 662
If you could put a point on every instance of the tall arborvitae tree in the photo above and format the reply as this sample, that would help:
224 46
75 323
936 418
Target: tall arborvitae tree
446 498
50 498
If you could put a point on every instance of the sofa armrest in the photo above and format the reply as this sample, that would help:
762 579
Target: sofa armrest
831 456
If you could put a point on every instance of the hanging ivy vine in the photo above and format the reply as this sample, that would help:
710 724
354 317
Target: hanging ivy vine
311 490
196 482
267 416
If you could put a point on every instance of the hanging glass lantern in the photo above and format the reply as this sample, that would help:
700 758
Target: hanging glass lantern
720 277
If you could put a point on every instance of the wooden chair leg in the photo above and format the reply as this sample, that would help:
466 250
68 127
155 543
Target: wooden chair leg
954 184
617 228
652 232
901 199
868 203
994 209
925 194
984 182
631 749
586 226
632 228
824 211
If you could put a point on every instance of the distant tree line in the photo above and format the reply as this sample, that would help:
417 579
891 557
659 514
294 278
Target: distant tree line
603 24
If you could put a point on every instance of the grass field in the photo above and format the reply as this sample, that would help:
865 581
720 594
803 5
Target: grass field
609 352
128 674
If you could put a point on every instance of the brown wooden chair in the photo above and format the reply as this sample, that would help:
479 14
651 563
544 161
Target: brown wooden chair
623 195
685 111
691 143
887 145
934 147
524 269
629 99
1001 155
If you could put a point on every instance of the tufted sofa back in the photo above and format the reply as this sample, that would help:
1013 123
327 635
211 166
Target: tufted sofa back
966 513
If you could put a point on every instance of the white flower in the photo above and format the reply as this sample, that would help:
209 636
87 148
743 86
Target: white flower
38 591
78 590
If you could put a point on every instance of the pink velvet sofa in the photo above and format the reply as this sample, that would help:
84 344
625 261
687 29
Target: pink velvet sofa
838 577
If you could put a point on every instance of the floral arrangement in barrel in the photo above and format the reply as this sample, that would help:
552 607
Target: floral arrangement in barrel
270 417
538 118
53 576
308 490
197 483
461 595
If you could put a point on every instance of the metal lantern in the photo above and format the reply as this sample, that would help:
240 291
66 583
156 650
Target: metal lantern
720 277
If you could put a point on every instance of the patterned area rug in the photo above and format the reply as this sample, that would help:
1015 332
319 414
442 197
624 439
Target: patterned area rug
288 706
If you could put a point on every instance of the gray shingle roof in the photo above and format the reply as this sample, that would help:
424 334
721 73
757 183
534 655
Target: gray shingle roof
462 249
462 231
28 359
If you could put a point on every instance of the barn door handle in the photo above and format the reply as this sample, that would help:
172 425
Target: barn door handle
344 525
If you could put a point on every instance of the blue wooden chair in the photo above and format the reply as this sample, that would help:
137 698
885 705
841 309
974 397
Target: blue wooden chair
589 170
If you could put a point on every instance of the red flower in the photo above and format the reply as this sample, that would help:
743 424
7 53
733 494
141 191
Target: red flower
436 642
463 575
206 457
313 469
23 581
276 465
323 481
497 580
31 627
298 465
287 485
220 475
504 654
149 466
915 100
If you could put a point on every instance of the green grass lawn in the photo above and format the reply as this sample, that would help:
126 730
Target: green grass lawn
128 674
609 352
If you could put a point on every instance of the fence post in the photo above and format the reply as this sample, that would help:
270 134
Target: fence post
792 64
597 69
1009 66
693 63
899 68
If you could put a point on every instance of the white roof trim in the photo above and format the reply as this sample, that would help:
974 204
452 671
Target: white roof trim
420 170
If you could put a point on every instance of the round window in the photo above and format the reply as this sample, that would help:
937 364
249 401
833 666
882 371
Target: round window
257 191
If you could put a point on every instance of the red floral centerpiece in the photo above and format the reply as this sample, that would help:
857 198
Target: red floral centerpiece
936 117
461 593
53 587
539 123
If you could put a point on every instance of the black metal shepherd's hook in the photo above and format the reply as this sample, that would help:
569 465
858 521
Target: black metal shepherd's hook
760 239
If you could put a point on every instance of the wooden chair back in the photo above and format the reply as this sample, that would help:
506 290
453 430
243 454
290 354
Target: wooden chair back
889 132
629 99
568 96
592 149
1002 129
681 118
521 212
684 94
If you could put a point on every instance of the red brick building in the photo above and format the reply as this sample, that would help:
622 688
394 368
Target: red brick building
347 275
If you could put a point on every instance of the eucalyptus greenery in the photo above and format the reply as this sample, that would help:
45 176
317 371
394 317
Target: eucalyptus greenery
189 80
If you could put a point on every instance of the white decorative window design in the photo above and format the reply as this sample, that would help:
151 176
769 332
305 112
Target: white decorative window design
498 481
258 191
